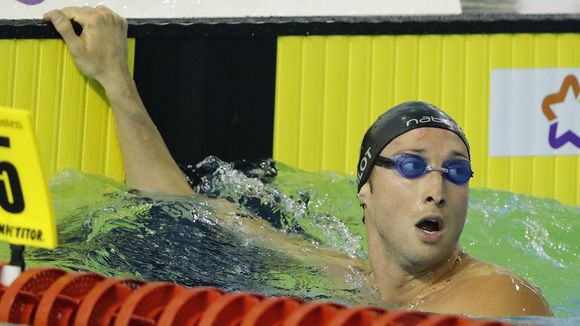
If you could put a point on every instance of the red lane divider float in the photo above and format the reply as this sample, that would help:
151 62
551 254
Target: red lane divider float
271 311
60 305
187 308
230 309
145 305
313 314
55 297
20 301
360 316
101 305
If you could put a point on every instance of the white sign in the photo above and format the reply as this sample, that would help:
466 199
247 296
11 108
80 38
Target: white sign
545 7
534 112
33 9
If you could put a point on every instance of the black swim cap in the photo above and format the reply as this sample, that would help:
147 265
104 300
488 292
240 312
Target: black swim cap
395 122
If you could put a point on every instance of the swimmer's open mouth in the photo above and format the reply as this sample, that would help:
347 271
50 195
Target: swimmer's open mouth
430 224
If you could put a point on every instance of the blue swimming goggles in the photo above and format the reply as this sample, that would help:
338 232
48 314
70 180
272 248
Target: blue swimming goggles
413 166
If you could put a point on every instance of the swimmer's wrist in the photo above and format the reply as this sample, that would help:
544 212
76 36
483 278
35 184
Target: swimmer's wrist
119 88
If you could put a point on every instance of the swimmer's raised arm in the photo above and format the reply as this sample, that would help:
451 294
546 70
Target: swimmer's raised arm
100 52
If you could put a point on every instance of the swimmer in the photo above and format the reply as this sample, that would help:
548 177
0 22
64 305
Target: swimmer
413 185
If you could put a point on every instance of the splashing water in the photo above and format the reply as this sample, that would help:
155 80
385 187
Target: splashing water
300 235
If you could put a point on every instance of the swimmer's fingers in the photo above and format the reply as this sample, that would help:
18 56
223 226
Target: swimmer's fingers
100 51
98 16
64 27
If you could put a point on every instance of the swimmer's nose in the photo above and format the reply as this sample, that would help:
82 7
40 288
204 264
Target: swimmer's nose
437 201
434 189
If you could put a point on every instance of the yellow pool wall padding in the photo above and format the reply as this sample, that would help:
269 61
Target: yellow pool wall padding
73 122
329 89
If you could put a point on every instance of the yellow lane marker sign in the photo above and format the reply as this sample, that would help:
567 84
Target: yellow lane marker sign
26 214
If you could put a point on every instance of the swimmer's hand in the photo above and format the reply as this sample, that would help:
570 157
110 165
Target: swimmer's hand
100 51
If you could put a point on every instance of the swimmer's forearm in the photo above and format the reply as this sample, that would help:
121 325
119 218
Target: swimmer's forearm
149 165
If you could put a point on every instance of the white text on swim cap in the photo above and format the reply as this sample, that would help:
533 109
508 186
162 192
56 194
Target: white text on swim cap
363 163
426 119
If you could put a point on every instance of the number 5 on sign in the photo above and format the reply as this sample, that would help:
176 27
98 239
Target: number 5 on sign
26 215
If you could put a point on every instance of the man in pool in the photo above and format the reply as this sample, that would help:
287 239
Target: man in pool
413 181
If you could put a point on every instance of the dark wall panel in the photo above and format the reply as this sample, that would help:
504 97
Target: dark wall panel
212 95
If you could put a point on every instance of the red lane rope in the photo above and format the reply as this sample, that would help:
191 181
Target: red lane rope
54 297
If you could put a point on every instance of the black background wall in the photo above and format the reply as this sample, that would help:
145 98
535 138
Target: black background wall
210 95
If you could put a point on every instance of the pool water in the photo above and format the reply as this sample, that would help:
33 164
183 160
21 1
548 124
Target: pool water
300 234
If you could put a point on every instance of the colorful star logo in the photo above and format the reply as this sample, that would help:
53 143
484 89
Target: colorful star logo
566 104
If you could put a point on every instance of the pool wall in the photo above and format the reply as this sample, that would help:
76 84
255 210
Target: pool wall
302 91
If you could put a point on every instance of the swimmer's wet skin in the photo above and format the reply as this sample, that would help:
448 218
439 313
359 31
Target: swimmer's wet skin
414 215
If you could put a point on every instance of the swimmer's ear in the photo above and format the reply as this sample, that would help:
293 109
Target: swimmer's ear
363 195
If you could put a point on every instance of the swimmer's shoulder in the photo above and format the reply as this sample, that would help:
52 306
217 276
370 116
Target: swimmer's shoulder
485 289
